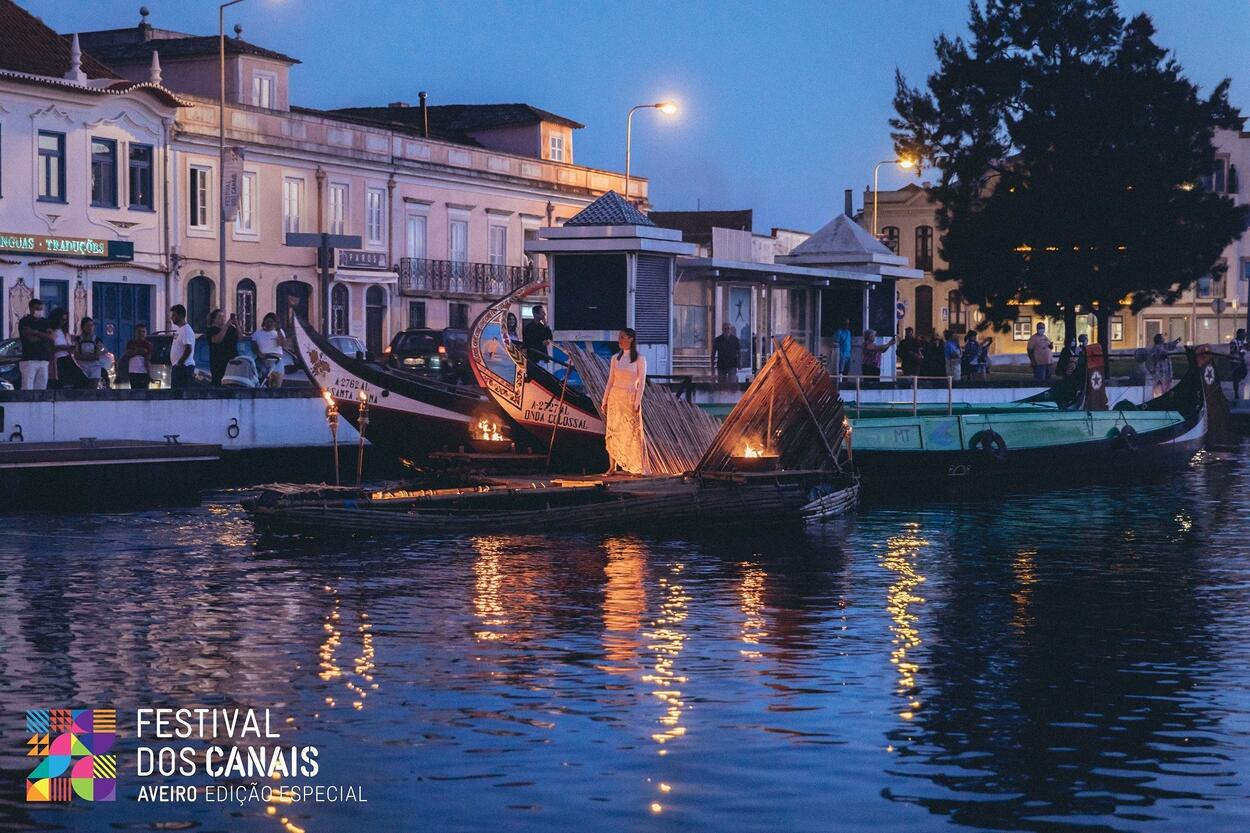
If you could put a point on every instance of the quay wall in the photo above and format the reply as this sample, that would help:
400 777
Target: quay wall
235 420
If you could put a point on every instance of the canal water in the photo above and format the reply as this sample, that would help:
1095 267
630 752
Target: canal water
1046 660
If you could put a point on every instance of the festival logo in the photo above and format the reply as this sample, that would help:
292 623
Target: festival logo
73 752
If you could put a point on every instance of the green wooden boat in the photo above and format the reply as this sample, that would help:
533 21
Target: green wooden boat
1028 441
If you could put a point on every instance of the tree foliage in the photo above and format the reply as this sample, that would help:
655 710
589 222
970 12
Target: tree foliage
1069 145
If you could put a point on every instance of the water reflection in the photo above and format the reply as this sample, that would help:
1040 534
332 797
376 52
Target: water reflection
1068 679
1075 660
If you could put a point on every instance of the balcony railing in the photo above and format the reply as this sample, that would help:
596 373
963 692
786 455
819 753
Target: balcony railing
418 276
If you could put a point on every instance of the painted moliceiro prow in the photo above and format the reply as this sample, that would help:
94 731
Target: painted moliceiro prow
408 416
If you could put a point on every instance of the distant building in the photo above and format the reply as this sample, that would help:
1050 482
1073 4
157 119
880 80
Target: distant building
1209 312
84 192
119 146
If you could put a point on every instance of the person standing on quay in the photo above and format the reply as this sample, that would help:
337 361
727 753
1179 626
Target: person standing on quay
911 353
182 350
1159 364
223 343
622 406
872 353
1237 354
138 358
36 335
725 349
1041 350
842 336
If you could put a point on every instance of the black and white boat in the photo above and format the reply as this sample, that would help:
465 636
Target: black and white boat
409 416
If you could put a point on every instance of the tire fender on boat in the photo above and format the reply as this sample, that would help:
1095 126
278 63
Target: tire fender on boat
1127 437
990 443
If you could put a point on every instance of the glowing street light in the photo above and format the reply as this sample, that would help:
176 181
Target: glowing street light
668 108
906 163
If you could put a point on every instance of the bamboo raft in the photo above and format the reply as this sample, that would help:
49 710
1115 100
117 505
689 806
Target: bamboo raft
792 409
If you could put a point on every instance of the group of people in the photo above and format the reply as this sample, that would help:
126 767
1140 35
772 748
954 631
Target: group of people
944 355
53 357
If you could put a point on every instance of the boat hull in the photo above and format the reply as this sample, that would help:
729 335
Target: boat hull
1162 449
647 504
408 417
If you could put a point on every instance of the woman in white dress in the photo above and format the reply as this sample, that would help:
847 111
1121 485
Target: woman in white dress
622 406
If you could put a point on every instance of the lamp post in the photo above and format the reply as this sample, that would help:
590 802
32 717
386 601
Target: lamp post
905 164
668 108
221 153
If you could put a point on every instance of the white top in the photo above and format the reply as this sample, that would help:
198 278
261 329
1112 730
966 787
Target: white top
137 364
628 377
266 342
184 337
61 340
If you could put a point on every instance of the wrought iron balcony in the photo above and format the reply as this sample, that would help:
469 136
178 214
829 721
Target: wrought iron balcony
418 276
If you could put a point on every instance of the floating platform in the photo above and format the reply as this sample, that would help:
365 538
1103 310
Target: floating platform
566 504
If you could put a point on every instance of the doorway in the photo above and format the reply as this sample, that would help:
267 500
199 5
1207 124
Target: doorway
117 309
293 297
375 319
924 310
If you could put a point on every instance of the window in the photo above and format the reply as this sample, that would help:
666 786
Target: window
557 147
457 315
292 203
338 310
140 179
416 314
1203 286
1117 328
1219 178
198 194
1245 269
458 241
245 304
245 219
375 200
416 236
889 236
338 208
103 173
498 245
958 315
263 87
51 166
1152 327
1022 328
924 248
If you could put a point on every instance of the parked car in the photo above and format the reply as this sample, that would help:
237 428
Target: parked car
351 346
441 353
10 355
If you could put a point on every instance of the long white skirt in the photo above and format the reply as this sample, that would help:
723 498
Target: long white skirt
623 435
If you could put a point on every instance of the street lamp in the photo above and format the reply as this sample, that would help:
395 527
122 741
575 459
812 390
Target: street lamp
904 163
668 108
221 154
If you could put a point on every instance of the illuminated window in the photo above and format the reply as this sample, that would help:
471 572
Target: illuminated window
924 248
1022 328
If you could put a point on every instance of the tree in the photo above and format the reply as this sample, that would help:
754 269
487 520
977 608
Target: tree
1070 148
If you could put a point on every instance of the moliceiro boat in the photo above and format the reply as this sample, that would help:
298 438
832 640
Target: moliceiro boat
559 415
1019 442
409 416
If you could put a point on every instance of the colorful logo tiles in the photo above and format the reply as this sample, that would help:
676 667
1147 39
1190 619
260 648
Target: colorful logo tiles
74 752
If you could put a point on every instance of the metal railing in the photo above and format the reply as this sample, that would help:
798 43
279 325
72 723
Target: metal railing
418 275
915 392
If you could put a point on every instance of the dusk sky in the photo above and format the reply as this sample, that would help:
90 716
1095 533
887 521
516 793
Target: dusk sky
784 104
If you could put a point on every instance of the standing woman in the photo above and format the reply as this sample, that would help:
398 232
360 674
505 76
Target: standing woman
622 406
65 369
